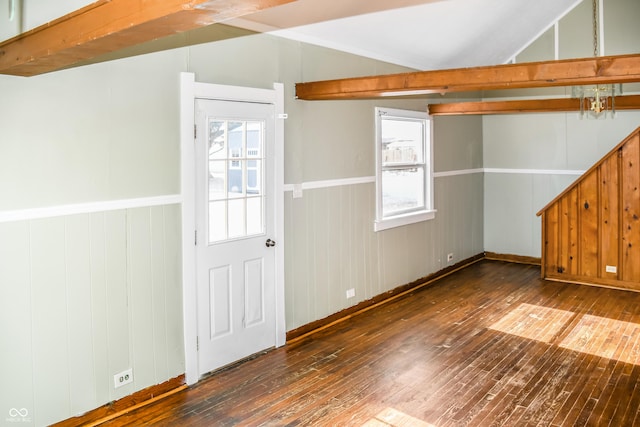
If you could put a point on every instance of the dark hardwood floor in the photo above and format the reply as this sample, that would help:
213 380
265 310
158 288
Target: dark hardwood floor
489 345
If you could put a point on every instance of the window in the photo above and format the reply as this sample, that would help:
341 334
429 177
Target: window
404 180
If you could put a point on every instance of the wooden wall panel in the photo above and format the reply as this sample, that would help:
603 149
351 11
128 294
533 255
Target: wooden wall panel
568 238
49 310
592 228
630 181
82 384
348 245
99 307
319 260
563 236
172 310
550 260
300 298
118 320
16 370
141 294
588 207
159 292
361 238
609 216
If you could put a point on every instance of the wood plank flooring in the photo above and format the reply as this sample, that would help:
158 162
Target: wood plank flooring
490 345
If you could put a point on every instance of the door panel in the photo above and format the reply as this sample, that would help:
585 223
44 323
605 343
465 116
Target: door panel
235 268
254 292
220 301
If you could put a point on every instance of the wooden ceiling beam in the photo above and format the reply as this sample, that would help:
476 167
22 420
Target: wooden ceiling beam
110 25
568 72
629 102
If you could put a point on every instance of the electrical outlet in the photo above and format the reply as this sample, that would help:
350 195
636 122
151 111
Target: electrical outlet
449 257
351 293
124 377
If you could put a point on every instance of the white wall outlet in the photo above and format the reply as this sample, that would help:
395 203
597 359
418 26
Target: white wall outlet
124 377
351 293
611 269
449 257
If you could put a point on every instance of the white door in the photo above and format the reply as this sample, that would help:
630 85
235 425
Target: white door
234 250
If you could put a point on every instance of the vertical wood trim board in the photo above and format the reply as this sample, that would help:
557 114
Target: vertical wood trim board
591 231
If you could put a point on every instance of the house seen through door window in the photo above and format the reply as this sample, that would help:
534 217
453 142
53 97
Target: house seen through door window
404 175
236 196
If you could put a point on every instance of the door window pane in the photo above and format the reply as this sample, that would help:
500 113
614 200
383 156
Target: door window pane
236 139
254 177
217 179
217 140
217 221
236 178
254 139
236 218
254 215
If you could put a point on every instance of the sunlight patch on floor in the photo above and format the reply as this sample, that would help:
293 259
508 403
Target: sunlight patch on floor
603 337
533 322
394 418
595 335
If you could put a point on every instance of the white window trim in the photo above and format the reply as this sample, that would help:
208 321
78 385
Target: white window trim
429 211
406 219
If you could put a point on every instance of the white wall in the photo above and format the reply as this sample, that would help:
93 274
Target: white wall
102 132
17 16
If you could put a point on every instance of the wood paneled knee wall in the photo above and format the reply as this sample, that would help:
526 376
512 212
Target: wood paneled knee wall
591 231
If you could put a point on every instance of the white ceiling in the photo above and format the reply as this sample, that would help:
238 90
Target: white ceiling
421 34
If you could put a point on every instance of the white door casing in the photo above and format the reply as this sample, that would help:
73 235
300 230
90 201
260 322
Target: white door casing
190 92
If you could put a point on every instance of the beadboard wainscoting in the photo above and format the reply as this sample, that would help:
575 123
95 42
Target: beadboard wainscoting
89 295
331 246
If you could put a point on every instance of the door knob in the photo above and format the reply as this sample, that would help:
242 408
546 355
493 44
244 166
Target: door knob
270 243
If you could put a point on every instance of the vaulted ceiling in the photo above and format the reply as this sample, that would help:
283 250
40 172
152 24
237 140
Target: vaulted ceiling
421 34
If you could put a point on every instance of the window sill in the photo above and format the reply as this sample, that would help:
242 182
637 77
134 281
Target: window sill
400 220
